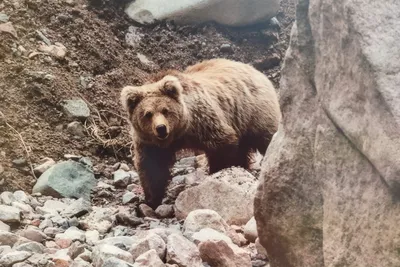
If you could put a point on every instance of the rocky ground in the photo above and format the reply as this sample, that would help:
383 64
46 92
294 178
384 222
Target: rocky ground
63 63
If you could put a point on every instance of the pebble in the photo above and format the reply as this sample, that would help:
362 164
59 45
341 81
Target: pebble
47 163
121 178
208 234
146 211
76 109
92 237
76 128
226 48
165 211
14 257
72 233
129 197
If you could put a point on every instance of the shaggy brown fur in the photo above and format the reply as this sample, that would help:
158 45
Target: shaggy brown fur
226 109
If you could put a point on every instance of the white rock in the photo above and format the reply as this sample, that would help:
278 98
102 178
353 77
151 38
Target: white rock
222 254
151 241
250 230
57 50
7 198
182 252
92 237
13 257
24 208
204 218
72 233
208 234
21 197
119 241
9 214
229 192
115 262
4 227
40 169
100 219
103 252
228 12
149 259
55 205
62 254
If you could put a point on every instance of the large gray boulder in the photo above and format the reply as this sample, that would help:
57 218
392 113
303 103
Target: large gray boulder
228 12
69 179
331 177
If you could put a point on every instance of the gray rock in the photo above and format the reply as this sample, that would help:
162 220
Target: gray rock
4 227
66 179
229 192
8 239
78 262
7 198
21 197
182 252
78 208
115 262
75 250
9 214
14 257
54 205
4 250
22 264
20 162
250 230
147 211
165 211
45 224
76 109
330 179
92 237
226 48
102 252
151 241
100 219
3 17
124 242
76 128
149 259
121 178
33 247
129 197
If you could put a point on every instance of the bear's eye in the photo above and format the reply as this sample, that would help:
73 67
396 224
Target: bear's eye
165 111
148 114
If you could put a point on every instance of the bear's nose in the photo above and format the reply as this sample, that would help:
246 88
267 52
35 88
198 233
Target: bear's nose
161 130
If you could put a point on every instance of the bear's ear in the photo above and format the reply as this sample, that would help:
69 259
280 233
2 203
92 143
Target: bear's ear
130 98
172 88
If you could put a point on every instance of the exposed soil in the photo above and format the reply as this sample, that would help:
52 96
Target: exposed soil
101 59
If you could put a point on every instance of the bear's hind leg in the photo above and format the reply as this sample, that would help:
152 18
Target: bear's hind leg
222 158
152 164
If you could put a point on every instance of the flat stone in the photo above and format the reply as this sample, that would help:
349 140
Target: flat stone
77 209
7 238
33 247
208 234
204 218
102 252
76 108
14 257
40 169
9 214
129 197
34 235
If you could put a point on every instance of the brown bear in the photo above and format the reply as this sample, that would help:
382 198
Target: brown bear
225 108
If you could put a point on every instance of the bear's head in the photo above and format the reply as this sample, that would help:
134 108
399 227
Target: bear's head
156 110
